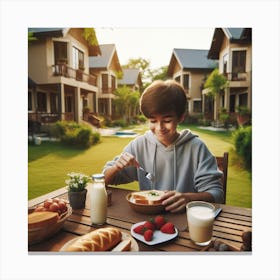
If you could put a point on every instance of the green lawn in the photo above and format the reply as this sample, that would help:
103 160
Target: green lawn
49 163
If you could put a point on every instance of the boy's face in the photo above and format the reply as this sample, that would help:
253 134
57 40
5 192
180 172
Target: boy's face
164 127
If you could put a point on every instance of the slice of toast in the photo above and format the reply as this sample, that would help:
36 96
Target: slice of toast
151 197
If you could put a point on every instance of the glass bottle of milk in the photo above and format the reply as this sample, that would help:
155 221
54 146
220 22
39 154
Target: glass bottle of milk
98 200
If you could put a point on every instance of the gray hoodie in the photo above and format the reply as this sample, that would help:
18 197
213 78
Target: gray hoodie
185 166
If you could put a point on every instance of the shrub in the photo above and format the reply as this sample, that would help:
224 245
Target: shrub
74 134
242 139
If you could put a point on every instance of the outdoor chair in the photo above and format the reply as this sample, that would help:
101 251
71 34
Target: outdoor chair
222 163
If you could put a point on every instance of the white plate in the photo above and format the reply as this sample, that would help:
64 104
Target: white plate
134 245
158 236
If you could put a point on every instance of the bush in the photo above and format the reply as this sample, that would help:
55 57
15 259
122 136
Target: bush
242 139
74 134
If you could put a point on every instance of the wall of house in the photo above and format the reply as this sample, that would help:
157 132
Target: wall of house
37 61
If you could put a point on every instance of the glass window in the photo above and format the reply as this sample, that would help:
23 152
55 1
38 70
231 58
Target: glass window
42 102
186 81
197 106
78 58
238 61
104 82
60 52
243 99
30 101
53 102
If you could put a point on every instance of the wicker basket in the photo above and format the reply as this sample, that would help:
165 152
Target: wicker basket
39 234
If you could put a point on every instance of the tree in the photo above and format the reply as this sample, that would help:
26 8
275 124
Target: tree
215 83
126 102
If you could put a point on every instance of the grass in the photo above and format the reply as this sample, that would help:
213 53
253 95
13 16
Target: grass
49 163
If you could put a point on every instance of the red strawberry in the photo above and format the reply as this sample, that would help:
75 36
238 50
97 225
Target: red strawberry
139 229
168 228
159 221
149 225
148 235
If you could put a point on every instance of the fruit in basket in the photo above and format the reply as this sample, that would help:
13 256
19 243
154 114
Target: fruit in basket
53 205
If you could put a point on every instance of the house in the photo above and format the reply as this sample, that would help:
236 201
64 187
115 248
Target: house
132 78
106 68
191 67
59 82
233 49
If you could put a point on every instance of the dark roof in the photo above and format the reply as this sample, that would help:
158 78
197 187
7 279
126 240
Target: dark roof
51 32
234 35
191 59
130 77
103 61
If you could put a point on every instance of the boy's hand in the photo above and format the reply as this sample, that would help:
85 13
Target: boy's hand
175 201
126 159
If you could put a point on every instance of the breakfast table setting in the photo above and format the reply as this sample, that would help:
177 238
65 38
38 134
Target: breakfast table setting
231 230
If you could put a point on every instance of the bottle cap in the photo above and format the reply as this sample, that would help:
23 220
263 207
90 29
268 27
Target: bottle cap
98 176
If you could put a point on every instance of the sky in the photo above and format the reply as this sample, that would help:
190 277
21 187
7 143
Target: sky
153 44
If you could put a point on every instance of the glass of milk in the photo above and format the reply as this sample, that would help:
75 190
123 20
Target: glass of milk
200 217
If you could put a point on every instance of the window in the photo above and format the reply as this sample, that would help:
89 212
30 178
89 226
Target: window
60 52
238 61
225 63
30 101
78 58
104 82
186 81
197 106
243 99
53 102
42 102
113 79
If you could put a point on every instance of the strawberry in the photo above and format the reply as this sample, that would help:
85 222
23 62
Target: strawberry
159 221
168 228
149 225
148 235
139 229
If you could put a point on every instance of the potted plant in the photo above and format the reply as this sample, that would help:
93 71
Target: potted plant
77 191
243 115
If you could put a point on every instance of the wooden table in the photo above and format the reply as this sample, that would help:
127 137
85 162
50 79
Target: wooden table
228 226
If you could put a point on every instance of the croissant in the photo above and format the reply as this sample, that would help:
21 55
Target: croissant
102 239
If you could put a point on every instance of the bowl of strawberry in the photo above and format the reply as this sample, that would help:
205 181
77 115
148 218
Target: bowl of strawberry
154 231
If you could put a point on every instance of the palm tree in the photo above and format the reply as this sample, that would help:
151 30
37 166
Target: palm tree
215 84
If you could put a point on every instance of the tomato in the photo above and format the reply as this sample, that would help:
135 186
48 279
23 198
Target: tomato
48 202
62 206
54 207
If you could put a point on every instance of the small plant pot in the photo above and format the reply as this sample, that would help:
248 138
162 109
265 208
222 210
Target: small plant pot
77 200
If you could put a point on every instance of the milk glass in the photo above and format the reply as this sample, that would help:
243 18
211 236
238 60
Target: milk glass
200 216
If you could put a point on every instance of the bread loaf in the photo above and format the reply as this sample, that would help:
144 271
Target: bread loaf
151 197
102 239
42 219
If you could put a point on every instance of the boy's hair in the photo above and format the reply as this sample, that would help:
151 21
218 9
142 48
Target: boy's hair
163 97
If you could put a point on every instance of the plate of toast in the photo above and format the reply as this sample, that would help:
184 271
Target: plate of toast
146 202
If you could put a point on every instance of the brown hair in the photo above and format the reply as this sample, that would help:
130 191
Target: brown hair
163 97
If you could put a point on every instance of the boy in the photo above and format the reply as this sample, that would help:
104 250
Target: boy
179 162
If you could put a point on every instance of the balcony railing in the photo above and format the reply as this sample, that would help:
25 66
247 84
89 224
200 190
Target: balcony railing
236 76
43 117
77 74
